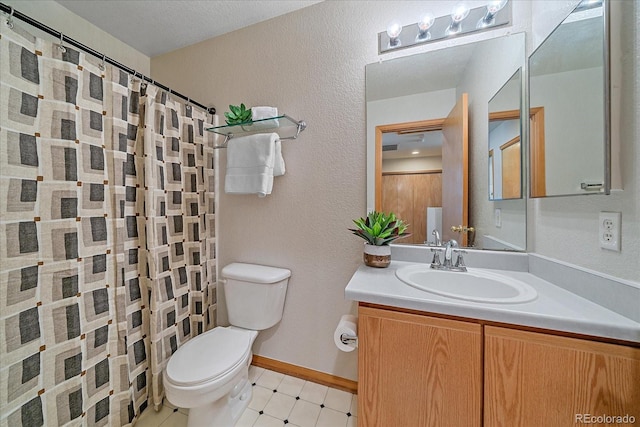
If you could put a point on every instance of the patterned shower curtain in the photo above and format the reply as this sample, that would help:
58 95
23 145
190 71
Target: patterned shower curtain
107 261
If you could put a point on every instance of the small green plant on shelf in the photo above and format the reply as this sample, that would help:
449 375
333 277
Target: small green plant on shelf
380 229
238 115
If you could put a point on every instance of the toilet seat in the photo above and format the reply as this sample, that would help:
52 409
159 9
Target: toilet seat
209 356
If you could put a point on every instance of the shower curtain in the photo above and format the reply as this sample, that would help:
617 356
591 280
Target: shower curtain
107 245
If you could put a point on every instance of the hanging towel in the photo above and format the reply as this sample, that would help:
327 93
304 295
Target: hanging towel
250 164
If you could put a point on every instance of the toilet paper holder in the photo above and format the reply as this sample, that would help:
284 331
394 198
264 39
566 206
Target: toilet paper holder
349 339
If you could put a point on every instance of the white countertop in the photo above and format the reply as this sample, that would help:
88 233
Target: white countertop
555 308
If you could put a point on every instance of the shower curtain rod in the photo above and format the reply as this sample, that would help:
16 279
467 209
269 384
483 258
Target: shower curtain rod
39 25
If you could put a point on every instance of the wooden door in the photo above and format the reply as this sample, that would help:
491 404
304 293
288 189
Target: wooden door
455 171
408 195
416 370
511 169
534 379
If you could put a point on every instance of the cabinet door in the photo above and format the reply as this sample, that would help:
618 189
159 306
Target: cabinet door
416 370
534 379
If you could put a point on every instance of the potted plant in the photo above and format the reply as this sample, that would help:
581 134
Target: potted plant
238 115
378 230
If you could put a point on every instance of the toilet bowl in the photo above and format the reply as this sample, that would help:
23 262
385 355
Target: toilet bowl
210 373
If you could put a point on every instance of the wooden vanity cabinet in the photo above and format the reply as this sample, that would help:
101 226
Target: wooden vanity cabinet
416 370
535 379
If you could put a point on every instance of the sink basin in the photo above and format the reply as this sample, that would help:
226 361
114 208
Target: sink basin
473 285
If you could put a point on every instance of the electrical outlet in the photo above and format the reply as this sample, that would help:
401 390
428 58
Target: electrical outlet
609 230
497 216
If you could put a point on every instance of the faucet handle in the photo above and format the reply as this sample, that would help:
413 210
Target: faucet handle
460 261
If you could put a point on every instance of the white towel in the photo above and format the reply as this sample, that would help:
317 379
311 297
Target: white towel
250 164
261 113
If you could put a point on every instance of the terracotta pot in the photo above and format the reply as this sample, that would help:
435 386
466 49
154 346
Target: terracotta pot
377 256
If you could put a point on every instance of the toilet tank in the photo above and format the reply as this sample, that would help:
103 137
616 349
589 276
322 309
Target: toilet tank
254 294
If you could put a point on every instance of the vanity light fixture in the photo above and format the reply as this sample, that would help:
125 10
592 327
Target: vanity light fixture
492 14
458 14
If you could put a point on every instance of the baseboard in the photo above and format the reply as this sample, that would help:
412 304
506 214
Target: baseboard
305 374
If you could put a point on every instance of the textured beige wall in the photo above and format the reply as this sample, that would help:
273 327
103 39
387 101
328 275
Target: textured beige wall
68 23
311 64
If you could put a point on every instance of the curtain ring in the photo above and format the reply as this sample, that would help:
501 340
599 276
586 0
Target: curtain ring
102 66
188 106
10 19
61 45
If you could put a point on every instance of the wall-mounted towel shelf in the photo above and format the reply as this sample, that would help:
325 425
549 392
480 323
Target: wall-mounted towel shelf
258 126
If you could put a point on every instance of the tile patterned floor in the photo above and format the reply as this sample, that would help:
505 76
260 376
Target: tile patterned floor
278 400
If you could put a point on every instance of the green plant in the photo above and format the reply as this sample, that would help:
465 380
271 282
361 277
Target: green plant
379 228
237 115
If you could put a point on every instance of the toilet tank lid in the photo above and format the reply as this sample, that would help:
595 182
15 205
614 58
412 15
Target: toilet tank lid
255 273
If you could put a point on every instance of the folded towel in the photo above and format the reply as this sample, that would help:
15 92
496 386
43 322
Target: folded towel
258 113
261 113
250 164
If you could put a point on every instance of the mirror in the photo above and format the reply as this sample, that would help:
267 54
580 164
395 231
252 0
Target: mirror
568 101
420 110
505 153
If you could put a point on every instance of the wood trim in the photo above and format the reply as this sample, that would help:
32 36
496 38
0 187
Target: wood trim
422 172
306 374
506 325
504 115
405 127
510 143
537 153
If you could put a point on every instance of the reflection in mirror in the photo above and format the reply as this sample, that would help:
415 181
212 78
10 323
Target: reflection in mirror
568 91
505 154
427 157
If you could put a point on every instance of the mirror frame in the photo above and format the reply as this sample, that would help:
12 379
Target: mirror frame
534 182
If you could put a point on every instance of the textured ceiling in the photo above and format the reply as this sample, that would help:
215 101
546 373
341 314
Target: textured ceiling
158 27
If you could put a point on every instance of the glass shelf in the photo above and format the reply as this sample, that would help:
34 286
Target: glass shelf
261 125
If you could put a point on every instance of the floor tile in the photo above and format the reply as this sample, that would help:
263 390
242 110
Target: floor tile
331 418
314 393
304 414
280 406
265 420
338 400
248 418
270 379
151 418
260 398
291 386
177 419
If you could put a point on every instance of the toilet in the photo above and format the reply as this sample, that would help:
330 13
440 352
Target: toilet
210 373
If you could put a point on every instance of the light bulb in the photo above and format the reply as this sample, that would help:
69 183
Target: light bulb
426 22
495 6
394 29
459 12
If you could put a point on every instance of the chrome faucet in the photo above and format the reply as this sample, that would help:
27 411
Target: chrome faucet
437 235
447 264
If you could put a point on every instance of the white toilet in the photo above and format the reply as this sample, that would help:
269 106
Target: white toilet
210 373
